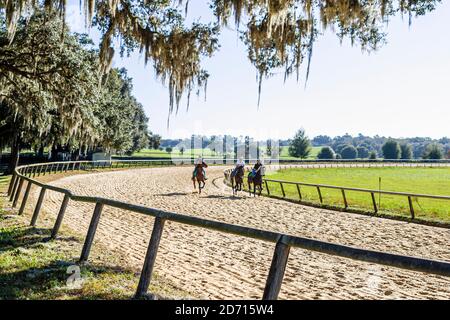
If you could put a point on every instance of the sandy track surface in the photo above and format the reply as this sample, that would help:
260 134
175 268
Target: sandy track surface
214 265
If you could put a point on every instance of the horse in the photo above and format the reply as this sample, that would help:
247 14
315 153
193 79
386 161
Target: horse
256 181
237 180
199 177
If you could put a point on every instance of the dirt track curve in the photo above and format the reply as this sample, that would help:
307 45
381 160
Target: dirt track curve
209 264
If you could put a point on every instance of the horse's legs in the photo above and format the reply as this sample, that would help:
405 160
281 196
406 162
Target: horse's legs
203 184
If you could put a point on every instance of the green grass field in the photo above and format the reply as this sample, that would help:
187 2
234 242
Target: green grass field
434 181
312 155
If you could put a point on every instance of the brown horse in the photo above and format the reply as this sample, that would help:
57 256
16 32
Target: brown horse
199 176
237 180
256 181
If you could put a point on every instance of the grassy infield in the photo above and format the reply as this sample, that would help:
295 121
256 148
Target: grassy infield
33 268
434 181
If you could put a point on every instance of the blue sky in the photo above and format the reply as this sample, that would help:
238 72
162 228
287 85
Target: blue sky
402 90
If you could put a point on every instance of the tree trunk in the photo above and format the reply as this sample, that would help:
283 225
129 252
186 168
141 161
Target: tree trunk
41 153
1 155
55 150
15 153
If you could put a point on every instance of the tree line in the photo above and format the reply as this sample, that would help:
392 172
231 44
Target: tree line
339 147
364 147
54 100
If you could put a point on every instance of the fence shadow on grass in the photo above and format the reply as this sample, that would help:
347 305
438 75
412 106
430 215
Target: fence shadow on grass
13 238
49 282
33 269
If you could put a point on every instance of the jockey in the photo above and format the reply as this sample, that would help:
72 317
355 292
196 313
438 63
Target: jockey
199 162
239 163
258 168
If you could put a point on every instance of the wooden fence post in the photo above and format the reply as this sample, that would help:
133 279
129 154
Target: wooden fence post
37 209
282 189
411 208
267 187
277 269
25 198
345 198
299 193
60 217
19 190
150 257
374 202
11 183
13 191
91 232
320 195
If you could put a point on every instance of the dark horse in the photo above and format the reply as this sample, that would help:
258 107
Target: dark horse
237 180
256 180
199 176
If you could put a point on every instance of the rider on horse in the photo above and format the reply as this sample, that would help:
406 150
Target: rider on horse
240 163
258 169
199 163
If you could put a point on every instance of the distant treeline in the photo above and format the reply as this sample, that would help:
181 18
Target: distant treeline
345 146
406 148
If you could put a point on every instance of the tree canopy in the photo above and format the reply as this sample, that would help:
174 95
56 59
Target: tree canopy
278 33
433 152
406 151
326 153
349 152
51 93
300 145
391 150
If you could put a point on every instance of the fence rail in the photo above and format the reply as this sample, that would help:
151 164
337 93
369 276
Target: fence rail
371 192
283 242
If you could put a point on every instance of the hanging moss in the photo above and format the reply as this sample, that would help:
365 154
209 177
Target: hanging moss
278 33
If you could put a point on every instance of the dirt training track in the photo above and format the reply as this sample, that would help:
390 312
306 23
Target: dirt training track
209 264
